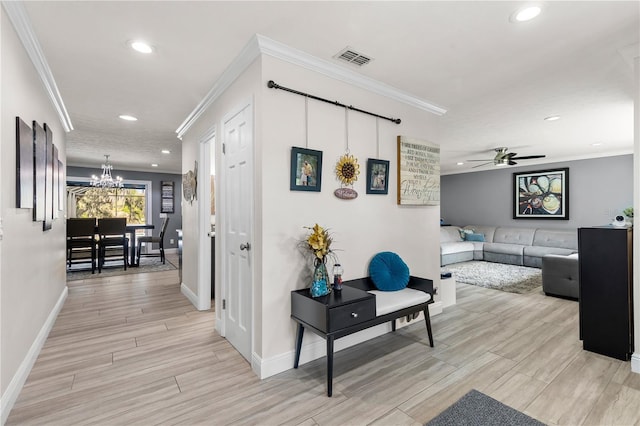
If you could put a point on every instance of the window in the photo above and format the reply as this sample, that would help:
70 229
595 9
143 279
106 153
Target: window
129 202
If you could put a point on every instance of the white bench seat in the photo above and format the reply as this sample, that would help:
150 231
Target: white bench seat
391 301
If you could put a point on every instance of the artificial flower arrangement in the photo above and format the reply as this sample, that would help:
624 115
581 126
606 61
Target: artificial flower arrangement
319 242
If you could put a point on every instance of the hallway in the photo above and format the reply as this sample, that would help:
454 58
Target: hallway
132 350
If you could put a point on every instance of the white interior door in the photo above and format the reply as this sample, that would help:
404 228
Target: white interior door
238 207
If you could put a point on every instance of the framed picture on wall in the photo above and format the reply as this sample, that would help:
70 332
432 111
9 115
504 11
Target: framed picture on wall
542 194
418 172
39 171
24 165
167 197
48 179
306 170
377 176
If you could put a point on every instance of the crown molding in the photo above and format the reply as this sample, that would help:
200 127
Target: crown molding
261 45
246 57
20 19
297 57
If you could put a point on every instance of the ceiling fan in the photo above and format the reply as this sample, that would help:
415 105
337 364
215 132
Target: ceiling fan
503 158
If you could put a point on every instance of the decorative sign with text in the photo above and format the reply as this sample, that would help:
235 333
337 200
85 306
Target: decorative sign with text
418 172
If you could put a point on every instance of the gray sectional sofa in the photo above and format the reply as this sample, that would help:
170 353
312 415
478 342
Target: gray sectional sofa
555 251
516 246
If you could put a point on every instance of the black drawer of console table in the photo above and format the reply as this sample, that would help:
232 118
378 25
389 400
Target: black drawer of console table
335 311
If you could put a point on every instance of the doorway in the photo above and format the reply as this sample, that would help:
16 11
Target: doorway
237 228
206 249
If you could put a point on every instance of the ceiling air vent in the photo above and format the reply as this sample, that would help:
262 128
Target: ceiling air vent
353 57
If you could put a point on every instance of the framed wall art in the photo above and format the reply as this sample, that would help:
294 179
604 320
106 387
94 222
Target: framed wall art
542 194
418 172
190 184
24 165
377 176
61 186
55 182
39 172
48 179
306 170
167 197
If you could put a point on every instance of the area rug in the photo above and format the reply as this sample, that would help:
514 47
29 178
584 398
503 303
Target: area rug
147 264
498 276
476 408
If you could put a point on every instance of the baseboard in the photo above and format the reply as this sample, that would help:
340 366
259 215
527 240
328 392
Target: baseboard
17 382
186 291
435 308
256 365
316 347
635 362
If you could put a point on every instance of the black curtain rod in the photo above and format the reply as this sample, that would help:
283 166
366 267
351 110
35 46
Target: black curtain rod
272 85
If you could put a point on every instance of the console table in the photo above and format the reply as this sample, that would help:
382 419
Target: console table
341 313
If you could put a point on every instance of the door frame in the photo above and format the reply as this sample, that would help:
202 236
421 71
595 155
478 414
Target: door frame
206 144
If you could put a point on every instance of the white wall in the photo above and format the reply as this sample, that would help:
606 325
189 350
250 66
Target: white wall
361 227
32 271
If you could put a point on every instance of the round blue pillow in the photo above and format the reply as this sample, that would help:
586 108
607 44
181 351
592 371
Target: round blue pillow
388 271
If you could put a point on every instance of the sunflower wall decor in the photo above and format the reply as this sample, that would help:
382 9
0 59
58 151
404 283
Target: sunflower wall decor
347 171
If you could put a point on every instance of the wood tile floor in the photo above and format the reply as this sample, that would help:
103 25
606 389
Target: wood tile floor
132 350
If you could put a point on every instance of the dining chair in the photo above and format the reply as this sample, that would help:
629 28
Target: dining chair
81 241
113 234
153 240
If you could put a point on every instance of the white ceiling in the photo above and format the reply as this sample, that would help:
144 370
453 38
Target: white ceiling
497 79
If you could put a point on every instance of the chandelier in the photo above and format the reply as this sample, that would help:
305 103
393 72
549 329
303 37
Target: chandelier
106 180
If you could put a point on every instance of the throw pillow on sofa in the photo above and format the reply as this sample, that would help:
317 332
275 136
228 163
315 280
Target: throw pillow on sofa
388 271
475 237
465 232
470 235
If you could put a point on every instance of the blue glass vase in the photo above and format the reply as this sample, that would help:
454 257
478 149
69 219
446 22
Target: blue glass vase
320 283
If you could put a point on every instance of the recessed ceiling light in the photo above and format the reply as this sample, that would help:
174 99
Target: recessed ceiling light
166 151
459 164
597 144
552 118
525 14
128 117
154 165
141 46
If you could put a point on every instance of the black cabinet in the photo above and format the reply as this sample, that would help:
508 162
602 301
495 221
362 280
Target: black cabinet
606 290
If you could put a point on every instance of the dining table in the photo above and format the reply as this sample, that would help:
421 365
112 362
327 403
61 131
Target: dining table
131 230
